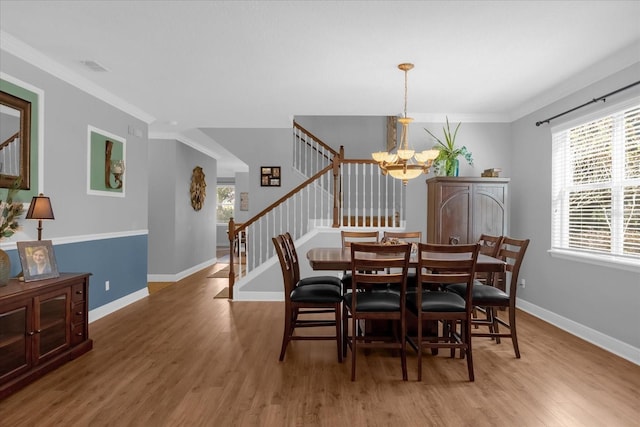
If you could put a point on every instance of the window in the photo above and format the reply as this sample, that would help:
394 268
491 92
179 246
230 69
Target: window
596 186
226 202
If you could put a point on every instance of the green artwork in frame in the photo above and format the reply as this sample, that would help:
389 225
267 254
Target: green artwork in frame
106 162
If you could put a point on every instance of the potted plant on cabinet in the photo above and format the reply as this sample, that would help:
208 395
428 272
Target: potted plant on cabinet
449 153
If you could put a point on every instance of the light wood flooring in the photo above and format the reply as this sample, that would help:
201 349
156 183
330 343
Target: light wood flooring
182 358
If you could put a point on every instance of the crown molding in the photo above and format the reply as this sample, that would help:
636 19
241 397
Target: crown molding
610 65
12 45
186 141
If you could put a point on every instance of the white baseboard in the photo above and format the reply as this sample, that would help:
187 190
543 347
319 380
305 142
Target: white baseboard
116 305
182 274
599 339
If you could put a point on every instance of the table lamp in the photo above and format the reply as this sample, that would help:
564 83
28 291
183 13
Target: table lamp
40 208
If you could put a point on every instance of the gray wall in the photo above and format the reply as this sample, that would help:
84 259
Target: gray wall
106 236
261 147
68 112
490 144
604 299
179 237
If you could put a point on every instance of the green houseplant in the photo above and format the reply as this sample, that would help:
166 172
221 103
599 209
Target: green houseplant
9 213
449 153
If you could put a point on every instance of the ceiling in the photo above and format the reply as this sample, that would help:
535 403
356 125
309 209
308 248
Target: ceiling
184 65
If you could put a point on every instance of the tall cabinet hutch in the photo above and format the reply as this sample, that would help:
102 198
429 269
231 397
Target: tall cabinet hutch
460 209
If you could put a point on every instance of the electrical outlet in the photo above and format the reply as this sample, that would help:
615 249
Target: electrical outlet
522 283
106 285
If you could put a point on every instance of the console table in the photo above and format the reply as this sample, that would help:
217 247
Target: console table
43 324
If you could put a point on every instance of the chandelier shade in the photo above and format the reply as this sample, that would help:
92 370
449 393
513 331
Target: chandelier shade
405 163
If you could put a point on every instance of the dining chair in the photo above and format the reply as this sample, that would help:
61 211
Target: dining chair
349 237
293 254
369 263
413 237
489 245
311 299
491 298
439 265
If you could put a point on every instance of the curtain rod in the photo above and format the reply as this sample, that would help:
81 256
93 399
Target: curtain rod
603 98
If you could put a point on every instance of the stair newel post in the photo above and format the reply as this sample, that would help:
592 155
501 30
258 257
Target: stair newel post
231 232
337 162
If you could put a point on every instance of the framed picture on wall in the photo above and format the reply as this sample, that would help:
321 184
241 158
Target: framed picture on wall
244 201
38 260
270 176
106 163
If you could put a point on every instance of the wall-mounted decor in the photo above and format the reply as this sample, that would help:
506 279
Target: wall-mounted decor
105 163
244 201
15 141
38 260
198 188
270 176
31 180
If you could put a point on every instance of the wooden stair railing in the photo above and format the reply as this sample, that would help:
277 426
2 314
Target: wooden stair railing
234 232
310 154
356 194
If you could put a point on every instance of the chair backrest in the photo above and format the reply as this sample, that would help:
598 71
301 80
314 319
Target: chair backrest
349 237
512 252
445 264
375 266
405 236
489 245
293 254
285 265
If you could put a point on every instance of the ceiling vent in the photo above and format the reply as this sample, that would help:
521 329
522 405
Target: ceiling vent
94 66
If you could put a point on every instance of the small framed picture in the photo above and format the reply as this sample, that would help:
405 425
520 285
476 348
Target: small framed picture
38 260
270 176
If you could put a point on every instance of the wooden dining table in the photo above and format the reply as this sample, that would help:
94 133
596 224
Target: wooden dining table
339 259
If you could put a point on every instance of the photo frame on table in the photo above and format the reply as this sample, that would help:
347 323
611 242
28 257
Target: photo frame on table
270 176
38 260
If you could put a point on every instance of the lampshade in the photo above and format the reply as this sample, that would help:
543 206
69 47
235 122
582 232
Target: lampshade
40 208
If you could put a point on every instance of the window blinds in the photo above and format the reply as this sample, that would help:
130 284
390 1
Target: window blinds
596 185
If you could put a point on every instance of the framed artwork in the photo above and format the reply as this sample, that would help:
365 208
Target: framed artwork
38 260
106 163
244 201
270 176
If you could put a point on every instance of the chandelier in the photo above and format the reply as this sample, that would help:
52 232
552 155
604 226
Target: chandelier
405 163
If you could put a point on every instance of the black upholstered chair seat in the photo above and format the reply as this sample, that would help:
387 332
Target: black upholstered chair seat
318 293
378 301
436 301
315 280
481 293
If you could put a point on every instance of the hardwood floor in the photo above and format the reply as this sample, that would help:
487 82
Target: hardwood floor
182 358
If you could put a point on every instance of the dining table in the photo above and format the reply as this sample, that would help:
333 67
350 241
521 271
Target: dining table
339 259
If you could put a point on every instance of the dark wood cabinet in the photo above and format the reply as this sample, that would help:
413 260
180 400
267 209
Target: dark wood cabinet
43 324
460 209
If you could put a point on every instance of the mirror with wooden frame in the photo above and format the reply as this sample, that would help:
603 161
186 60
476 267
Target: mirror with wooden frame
15 141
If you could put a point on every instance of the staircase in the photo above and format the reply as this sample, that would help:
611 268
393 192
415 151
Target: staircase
338 192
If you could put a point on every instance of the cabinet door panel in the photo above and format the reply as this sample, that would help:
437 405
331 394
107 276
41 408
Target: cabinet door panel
52 323
489 210
454 227
15 339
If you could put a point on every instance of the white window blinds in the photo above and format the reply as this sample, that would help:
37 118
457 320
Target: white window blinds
596 185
